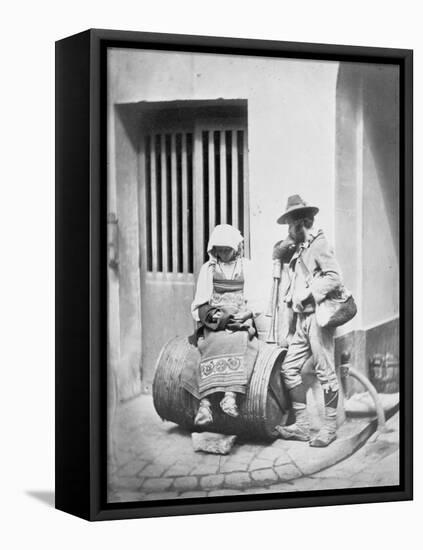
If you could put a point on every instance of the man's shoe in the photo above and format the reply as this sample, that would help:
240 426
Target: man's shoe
294 431
324 437
204 415
327 432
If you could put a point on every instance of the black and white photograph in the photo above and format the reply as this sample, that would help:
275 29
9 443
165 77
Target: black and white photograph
210 241
253 275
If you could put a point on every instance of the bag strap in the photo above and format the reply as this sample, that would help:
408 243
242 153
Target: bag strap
307 274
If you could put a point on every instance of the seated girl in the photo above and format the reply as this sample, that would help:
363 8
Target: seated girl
226 333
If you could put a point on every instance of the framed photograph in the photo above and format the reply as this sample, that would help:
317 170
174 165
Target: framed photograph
234 274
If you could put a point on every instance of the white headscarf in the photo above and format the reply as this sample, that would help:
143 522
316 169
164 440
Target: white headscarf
224 235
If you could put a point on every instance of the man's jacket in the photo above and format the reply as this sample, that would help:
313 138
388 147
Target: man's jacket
319 275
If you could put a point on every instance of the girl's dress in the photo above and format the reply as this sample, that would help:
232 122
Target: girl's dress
227 349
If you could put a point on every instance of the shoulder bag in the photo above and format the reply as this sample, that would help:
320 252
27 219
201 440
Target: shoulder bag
337 308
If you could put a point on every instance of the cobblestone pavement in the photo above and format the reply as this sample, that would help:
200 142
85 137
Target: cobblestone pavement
155 460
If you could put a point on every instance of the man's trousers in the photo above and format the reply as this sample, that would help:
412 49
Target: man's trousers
310 340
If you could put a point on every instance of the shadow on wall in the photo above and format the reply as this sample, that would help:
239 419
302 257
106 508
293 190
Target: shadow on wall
381 136
373 91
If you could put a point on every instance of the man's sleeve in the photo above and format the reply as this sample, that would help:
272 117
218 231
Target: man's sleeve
329 278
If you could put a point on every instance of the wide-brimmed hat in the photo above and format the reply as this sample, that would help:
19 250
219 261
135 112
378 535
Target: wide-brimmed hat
296 204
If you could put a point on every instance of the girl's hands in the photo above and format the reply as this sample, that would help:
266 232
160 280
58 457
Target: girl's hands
242 316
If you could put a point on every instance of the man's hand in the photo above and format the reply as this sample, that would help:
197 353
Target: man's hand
217 315
284 250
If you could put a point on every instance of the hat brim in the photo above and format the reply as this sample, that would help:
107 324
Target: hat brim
296 209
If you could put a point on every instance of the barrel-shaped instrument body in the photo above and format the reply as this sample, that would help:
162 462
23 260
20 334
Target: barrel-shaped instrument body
264 406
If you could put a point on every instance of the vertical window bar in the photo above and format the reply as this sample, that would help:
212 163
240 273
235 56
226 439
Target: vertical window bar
169 204
185 211
205 185
148 203
179 211
234 180
190 204
159 204
228 148
153 203
240 154
217 177
174 203
222 173
199 202
211 182
164 202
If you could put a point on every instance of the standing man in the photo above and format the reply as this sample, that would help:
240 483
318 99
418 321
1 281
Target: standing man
314 273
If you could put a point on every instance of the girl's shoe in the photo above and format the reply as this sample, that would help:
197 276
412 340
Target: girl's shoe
204 414
228 405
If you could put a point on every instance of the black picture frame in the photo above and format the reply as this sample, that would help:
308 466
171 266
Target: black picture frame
81 316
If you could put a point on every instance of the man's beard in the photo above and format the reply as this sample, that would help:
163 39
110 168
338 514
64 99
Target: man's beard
297 232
